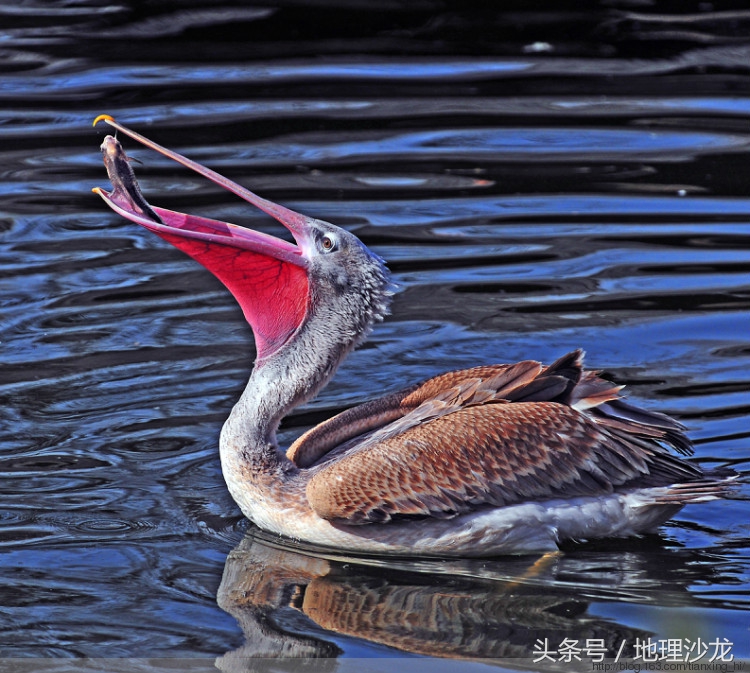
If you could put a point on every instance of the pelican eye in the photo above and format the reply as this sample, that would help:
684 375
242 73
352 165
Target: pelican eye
329 243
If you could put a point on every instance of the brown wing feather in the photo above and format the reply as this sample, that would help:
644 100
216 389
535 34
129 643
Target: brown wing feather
468 447
318 441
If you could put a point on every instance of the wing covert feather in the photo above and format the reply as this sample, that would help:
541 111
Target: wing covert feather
496 380
496 436
496 454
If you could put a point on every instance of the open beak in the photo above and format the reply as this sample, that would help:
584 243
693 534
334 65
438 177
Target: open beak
296 223
267 275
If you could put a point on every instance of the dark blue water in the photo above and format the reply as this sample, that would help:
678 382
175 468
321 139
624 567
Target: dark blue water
538 180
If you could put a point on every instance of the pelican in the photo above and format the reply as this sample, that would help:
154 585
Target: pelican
496 459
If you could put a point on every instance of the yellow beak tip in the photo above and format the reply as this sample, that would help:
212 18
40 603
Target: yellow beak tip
105 118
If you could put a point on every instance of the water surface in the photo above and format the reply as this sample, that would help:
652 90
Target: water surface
537 180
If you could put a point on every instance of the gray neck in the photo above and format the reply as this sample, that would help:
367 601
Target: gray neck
278 384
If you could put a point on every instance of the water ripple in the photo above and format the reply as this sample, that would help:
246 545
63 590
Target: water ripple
537 180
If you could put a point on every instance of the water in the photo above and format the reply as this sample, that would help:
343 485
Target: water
538 181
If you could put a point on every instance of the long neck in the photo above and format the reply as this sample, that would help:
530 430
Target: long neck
278 384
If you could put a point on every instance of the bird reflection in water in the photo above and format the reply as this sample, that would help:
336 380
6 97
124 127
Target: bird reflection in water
301 603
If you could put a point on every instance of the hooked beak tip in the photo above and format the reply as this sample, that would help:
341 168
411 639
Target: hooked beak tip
106 118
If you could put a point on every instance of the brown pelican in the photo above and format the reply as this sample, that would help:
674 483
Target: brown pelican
495 459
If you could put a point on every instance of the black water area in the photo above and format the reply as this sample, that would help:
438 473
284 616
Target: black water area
538 176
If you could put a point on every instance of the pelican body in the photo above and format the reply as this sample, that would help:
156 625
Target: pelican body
505 458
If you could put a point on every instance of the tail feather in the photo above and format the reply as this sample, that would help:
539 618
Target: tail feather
619 414
704 490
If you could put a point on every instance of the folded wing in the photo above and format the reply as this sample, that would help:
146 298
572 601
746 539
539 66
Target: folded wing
491 436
